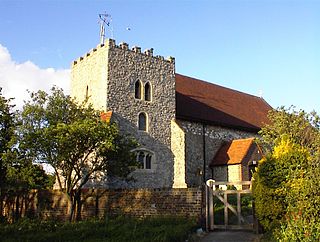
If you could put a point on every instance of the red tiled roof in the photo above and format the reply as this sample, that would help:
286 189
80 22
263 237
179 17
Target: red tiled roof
205 102
232 152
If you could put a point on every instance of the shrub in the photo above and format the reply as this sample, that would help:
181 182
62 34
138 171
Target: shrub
276 176
286 185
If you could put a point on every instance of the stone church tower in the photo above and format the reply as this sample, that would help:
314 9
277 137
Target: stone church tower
139 89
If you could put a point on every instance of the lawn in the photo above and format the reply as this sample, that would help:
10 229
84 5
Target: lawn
117 230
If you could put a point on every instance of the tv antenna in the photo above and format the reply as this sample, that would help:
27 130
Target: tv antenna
105 20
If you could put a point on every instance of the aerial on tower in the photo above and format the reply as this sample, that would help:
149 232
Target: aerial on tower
104 20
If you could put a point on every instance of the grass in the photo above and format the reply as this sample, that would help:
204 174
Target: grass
115 230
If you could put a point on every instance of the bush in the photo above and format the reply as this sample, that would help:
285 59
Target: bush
276 175
286 193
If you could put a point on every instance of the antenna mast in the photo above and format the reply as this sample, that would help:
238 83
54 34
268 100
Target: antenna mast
104 19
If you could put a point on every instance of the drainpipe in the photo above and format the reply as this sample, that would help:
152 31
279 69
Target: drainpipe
204 222
204 152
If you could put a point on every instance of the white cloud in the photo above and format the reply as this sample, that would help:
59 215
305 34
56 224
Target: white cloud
17 78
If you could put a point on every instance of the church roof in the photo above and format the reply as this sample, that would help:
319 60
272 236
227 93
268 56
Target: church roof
233 152
209 103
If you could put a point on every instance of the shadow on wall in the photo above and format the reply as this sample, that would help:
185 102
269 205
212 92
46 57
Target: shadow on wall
161 173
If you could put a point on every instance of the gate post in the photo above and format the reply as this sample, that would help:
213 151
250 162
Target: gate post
209 205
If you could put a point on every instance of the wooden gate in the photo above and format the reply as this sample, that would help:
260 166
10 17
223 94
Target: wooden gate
229 205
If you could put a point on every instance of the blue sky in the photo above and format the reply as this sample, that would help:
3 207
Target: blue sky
259 47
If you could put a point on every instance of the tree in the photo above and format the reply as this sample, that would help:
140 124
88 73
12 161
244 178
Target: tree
7 127
74 140
287 180
17 174
303 128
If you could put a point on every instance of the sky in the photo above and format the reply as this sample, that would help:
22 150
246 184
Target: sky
268 48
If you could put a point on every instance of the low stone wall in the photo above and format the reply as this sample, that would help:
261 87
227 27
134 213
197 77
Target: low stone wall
100 202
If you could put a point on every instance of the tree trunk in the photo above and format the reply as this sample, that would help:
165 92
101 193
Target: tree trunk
78 205
1 206
75 213
73 206
17 208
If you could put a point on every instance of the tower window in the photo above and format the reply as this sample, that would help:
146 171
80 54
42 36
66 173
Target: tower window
147 92
142 122
137 90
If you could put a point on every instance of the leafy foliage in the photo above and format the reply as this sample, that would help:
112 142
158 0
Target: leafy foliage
7 127
23 177
74 140
17 173
287 180
301 127
275 177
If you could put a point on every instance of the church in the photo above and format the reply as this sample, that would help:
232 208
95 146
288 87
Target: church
188 130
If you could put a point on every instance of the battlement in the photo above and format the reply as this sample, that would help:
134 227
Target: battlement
110 43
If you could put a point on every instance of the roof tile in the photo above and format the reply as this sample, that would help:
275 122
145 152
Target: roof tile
233 152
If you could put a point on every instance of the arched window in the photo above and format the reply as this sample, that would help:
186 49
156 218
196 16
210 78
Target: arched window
137 90
142 122
145 158
147 91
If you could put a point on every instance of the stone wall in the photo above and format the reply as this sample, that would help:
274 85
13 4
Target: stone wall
101 203
228 172
178 144
89 77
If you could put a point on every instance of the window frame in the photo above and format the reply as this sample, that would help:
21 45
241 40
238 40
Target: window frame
139 88
146 122
149 92
148 165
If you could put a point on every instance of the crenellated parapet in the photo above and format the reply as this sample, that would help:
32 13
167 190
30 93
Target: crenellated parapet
111 43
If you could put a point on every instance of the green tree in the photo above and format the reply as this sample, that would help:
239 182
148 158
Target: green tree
17 174
301 127
7 127
74 140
